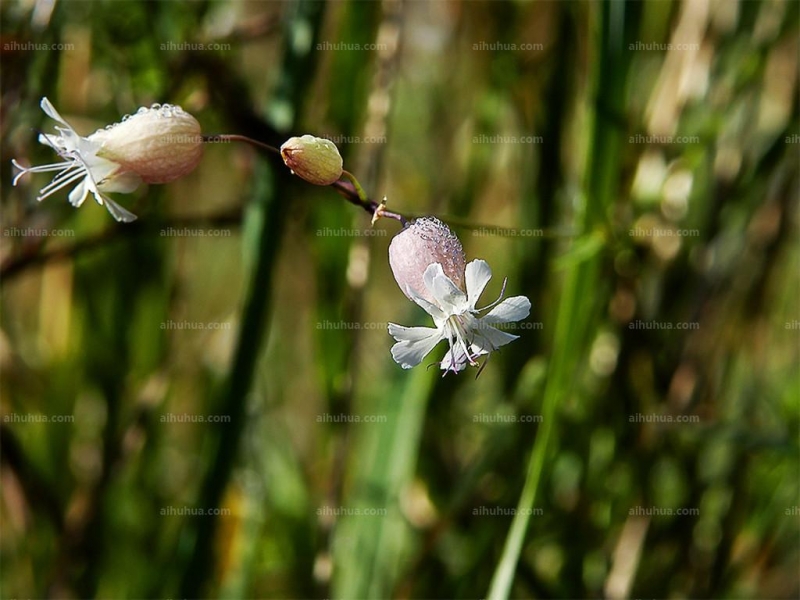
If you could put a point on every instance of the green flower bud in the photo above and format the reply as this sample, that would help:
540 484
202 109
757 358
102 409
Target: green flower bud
316 160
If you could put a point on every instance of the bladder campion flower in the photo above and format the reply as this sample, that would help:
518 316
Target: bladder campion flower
442 296
155 145
422 242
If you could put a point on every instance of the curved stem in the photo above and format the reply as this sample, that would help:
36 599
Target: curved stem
232 137
359 190
352 190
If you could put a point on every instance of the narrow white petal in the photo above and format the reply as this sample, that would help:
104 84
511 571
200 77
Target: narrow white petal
430 273
119 213
447 294
443 290
51 112
413 343
411 334
477 275
78 195
433 310
54 141
490 339
455 360
510 309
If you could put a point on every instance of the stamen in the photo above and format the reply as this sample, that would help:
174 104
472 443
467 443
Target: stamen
461 334
65 172
60 181
41 168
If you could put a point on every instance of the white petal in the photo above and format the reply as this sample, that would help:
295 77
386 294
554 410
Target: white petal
456 358
413 343
477 275
490 339
78 194
88 150
429 308
51 112
124 183
430 273
443 290
54 141
510 309
119 213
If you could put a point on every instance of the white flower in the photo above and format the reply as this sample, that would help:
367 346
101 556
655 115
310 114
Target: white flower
155 145
455 316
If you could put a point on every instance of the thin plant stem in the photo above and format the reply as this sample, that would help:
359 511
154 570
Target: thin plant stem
359 190
351 190
232 137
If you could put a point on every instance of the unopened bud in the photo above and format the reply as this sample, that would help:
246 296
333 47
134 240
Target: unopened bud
421 243
316 160
159 144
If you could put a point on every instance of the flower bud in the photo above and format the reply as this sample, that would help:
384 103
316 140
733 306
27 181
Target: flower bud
316 160
159 144
421 243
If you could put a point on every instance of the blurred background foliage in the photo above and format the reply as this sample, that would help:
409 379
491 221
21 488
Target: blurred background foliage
596 132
